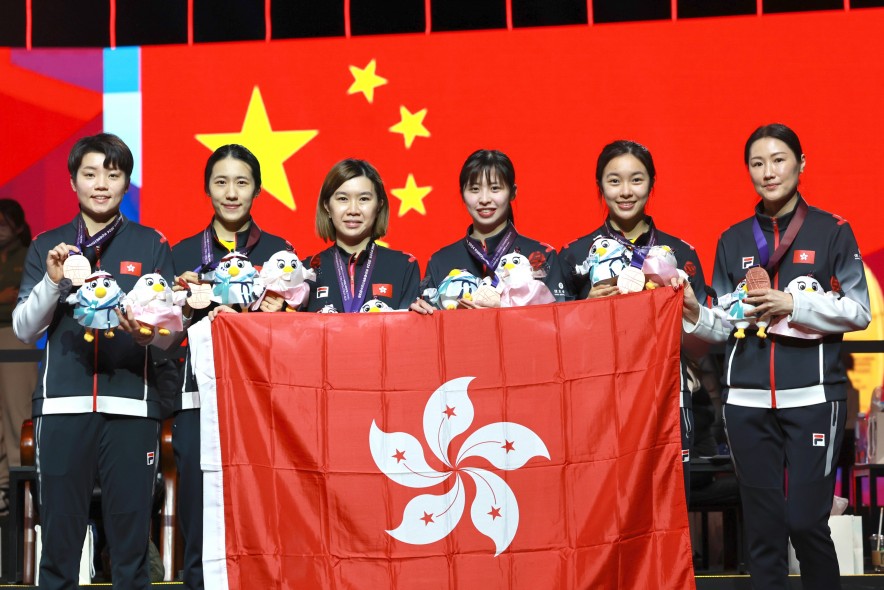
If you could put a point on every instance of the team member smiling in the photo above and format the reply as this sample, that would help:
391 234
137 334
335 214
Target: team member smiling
232 181
353 211
785 396
96 407
625 177
488 188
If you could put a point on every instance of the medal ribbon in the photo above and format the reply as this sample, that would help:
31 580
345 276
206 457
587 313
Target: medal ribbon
208 258
105 235
477 251
353 300
639 253
772 263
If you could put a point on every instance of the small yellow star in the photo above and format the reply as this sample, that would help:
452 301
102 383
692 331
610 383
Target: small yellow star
366 80
411 125
272 148
412 196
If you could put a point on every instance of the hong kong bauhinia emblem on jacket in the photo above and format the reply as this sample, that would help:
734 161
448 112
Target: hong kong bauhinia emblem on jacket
427 518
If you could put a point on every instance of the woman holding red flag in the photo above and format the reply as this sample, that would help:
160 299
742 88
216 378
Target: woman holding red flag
625 177
785 394
488 188
232 181
356 273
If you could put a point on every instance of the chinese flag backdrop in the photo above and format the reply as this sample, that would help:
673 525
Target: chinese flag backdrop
305 505
691 90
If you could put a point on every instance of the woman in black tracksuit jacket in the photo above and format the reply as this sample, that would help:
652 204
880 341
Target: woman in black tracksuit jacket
785 394
488 187
97 406
232 181
356 273
625 176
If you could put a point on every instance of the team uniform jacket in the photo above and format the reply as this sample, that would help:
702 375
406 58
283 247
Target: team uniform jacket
394 280
457 256
187 255
780 371
113 376
686 257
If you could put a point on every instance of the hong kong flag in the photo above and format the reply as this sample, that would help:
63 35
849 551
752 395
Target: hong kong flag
514 448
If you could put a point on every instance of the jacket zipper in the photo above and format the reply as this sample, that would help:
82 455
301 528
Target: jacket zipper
95 358
773 381
353 275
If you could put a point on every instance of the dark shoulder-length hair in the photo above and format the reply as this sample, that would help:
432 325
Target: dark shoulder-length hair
339 174
485 164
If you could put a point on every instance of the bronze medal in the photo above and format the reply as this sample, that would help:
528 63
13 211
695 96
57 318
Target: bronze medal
77 269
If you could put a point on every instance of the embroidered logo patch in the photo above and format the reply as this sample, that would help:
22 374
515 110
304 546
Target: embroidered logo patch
128 267
748 261
151 456
803 256
321 292
819 440
685 456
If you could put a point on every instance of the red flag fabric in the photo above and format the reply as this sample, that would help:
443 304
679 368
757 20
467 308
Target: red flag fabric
531 447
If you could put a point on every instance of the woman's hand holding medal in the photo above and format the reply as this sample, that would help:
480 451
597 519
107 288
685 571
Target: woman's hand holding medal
198 293
57 266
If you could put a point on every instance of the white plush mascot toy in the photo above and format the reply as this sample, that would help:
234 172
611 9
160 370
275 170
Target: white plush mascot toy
607 259
735 311
153 304
374 306
459 284
806 285
517 285
96 303
234 282
284 275
660 267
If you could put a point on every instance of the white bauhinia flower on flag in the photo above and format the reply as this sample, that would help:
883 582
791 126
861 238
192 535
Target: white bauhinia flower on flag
427 518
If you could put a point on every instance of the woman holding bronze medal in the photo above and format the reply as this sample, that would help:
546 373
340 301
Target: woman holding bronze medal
356 273
232 181
785 384
625 177
488 188
96 408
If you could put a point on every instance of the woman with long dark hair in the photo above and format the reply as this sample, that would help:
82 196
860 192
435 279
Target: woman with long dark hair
625 176
785 387
488 188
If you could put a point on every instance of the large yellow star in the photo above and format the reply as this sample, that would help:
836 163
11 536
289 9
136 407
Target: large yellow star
366 80
411 125
412 196
272 148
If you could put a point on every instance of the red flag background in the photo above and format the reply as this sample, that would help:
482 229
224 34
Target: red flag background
691 90
306 505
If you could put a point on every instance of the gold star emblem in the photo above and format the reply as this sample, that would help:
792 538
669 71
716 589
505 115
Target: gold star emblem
412 196
366 80
272 148
411 125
